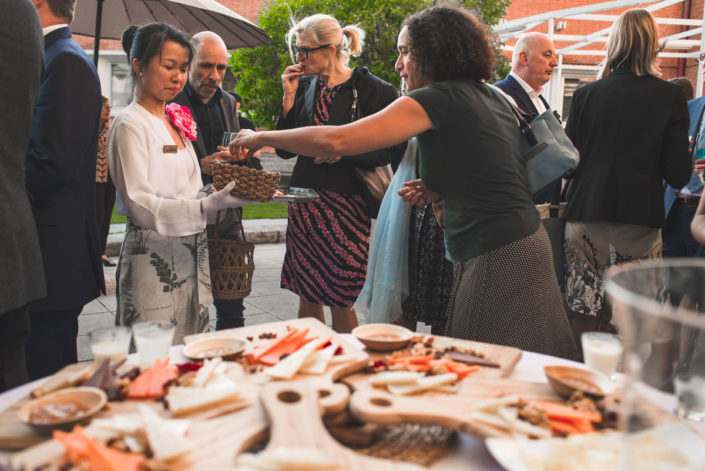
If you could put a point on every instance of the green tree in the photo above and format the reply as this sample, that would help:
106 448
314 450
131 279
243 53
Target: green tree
258 70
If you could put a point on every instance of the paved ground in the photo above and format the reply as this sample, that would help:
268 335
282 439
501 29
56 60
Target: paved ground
267 302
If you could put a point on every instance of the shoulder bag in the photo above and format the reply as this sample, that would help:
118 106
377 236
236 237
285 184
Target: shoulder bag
549 154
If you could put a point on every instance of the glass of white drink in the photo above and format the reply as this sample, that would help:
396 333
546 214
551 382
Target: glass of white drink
602 352
659 308
153 340
112 343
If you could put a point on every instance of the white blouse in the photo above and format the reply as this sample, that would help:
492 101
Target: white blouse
156 189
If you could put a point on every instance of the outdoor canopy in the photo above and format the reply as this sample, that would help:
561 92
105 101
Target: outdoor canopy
107 19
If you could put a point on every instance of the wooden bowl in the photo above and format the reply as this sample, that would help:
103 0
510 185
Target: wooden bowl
567 379
383 337
225 347
63 409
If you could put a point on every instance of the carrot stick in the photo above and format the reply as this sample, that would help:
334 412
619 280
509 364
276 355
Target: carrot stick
285 348
412 359
258 352
559 411
564 427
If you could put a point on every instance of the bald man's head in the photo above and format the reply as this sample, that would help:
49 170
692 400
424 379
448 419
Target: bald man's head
534 59
210 59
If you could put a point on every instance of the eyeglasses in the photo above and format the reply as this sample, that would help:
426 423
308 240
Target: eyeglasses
304 51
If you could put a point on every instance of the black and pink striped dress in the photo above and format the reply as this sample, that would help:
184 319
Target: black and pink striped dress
328 239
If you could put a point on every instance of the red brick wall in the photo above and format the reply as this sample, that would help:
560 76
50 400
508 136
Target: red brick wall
669 66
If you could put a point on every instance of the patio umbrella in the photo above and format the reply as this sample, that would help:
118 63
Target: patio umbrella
190 16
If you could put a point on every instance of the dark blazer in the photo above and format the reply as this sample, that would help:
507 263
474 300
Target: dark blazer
512 88
632 133
374 94
60 172
21 66
230 226
695 109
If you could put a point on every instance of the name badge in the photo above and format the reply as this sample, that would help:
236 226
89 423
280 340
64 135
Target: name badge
170 149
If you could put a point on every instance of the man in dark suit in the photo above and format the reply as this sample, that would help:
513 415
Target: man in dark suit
60 172
215 113
533 61
681 203
21 275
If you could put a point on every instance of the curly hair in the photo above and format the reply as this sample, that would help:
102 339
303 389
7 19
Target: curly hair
449 43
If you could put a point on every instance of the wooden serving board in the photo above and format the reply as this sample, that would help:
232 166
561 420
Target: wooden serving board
295 421
506 357
217 434
376 404
316 328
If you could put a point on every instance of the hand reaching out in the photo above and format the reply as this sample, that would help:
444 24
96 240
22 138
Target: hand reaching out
415 193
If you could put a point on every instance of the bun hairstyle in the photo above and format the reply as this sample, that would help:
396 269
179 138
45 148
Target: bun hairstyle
325 29
145 42
126 40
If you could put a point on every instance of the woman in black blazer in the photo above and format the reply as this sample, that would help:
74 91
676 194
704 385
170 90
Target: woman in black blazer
631 129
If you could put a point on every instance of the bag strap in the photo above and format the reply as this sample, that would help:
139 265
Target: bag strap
555 200
524 125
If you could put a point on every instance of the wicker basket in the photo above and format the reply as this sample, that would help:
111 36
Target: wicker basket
250 183
232 265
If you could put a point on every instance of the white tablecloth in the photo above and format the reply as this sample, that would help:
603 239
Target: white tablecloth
472 454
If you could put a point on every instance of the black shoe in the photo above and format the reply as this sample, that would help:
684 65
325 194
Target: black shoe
107 262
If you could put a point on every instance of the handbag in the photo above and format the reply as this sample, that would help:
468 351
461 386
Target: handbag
549 155
374 181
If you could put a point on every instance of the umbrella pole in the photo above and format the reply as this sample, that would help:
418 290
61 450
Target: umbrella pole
98 19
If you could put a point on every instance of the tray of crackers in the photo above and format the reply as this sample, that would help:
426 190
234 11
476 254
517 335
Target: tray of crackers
250 183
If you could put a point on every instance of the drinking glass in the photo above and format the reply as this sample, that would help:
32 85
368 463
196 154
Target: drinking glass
112 343
659 307
602 352
227 138
153 340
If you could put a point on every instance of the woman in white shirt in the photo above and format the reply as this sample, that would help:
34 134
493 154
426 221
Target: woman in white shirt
163 269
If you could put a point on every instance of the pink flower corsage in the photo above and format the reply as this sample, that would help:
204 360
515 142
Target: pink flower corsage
180 116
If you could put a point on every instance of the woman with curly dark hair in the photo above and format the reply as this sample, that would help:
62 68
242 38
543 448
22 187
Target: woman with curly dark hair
505 290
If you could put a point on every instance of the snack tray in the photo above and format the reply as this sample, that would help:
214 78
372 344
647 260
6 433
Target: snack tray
296 195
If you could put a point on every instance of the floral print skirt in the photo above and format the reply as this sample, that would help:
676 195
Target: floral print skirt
591 248
164 278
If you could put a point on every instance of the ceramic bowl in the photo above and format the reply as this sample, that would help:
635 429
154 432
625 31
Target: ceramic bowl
225 347
63 409
383 337
567 379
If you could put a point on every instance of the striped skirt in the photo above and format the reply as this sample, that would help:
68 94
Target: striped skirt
327 244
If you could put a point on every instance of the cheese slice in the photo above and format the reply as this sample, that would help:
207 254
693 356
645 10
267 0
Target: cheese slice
423 384
165 442
395 377
318 361
342 358
126 424
492 405
289 366
183 399
206 371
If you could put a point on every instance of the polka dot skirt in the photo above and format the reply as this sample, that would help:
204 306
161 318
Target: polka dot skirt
510 296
